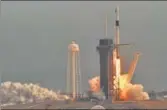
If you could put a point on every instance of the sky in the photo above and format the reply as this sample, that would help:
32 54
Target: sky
34 36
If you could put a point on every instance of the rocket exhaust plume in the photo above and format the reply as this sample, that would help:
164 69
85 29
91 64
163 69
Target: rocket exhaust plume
12 93
128 91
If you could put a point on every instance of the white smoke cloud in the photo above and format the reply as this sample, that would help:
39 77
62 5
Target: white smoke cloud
14 93
135 92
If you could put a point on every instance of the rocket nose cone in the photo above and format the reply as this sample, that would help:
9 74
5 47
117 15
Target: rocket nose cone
117 9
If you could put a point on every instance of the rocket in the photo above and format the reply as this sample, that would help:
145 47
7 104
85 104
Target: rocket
117 39
116 57
117 25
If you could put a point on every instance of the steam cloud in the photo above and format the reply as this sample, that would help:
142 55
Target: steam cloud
12 93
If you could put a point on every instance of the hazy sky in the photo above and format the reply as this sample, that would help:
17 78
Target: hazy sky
34 36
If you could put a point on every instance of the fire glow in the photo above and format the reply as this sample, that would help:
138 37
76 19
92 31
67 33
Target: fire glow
128 91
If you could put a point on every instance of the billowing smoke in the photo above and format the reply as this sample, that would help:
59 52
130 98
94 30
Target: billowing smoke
16 93
128 91
133 92
94 84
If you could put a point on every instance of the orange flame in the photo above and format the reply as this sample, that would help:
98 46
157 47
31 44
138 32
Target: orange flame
128 91
95 84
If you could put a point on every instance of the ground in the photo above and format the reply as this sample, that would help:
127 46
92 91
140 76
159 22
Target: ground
151 104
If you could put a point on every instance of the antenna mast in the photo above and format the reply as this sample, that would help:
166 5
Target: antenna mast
106 26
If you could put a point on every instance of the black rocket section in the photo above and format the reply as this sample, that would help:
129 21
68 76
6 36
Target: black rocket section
105 49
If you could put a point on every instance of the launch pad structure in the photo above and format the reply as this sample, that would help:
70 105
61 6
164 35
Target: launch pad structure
105 49
110 59
109 80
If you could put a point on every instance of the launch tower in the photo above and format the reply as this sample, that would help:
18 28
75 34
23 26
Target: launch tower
105 50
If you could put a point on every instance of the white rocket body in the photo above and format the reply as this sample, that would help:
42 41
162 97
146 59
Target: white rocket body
117 39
